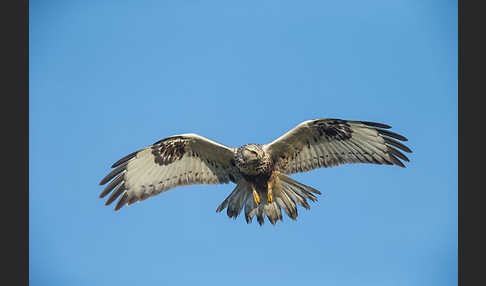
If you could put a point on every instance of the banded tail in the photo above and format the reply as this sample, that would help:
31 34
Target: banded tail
287 193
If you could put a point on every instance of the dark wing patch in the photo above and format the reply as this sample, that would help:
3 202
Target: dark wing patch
333 129
168 151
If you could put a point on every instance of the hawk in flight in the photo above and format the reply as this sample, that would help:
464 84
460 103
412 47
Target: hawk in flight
259 171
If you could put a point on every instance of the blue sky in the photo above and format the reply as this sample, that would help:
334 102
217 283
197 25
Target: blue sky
110 77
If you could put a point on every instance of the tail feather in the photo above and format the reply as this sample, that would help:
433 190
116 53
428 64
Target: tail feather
296 197
289 205
272 210
287 194
235 201
234 209
249 210
260 214
227 200
282 205
303 190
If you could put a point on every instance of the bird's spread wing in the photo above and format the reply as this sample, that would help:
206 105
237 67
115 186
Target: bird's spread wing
174 161
331 142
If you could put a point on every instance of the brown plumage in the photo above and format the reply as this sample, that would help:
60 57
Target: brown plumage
259 171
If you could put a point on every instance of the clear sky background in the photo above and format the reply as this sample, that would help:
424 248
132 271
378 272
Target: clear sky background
110 77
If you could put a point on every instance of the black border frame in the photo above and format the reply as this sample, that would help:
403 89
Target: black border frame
15 119
471 189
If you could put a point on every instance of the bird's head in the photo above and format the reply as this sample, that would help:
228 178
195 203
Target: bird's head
251 153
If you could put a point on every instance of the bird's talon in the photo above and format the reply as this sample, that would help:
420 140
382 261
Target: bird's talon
256 198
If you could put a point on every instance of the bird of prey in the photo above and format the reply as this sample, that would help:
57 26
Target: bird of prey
259 171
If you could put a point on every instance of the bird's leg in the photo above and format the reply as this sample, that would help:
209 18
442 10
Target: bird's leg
269 191
256 197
